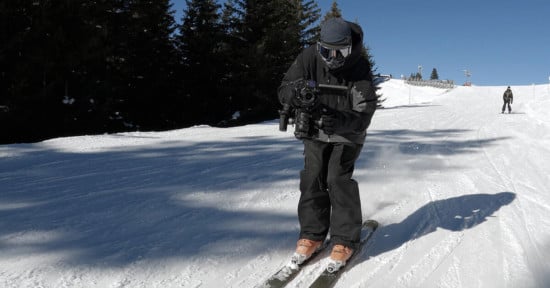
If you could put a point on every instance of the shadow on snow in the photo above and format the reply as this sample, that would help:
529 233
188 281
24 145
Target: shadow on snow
453 214
127 204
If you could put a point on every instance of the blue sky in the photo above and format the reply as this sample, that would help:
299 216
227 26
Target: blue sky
502 42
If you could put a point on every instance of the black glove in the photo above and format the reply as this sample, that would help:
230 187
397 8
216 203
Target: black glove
331 123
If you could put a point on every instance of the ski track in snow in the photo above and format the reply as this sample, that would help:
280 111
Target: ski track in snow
519 233
460 190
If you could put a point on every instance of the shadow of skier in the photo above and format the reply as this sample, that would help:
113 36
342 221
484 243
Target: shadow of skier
454 214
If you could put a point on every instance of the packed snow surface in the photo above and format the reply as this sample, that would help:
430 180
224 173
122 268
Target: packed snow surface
462 193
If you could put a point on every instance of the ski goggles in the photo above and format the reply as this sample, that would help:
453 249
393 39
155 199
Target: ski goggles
328 52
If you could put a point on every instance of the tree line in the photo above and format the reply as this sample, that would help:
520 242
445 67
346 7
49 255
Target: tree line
73 67
418 76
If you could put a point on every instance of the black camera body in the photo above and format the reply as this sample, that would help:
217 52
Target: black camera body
306 113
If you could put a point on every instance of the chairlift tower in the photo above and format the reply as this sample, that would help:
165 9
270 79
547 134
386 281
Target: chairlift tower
468 74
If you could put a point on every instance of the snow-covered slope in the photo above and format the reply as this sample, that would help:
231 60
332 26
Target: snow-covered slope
462 193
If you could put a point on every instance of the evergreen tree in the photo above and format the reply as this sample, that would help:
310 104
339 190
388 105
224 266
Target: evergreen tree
107 66
130 64
70 67
368 55
265 37
309 13
73 67
334 12
201 45
434 75
42 67
151 74
94 90
265 34
15 34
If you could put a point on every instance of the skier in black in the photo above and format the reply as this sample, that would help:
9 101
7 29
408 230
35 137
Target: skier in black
346 102
508 98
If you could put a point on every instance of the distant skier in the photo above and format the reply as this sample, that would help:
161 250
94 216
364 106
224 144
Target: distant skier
347 101
508 98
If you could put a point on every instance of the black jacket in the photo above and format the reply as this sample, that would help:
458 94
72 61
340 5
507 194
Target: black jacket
508 96
356 103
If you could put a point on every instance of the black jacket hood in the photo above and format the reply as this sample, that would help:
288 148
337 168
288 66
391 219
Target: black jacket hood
357 47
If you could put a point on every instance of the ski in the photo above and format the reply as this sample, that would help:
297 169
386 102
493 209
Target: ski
330 275
288 272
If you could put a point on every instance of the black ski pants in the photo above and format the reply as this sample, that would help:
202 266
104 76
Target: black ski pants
329 197
506 102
